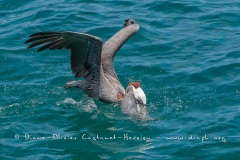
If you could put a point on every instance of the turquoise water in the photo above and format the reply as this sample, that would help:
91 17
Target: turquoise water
186 55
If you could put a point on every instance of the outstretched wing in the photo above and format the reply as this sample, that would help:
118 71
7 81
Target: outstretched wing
85 53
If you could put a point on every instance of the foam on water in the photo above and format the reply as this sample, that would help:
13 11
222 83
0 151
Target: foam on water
83 105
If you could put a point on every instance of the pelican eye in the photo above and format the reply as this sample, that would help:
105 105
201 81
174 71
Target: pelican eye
127 90
132 22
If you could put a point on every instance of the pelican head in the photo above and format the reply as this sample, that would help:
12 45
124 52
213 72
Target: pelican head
134 100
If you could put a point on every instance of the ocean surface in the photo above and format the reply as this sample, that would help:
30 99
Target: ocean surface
186 55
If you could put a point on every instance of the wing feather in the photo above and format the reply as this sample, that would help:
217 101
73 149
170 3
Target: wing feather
42 41
85 53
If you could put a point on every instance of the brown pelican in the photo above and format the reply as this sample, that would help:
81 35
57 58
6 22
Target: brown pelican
92 60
